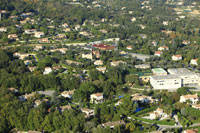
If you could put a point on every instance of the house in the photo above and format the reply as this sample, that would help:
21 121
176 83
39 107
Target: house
190 131
30 31
101 69
67 94
22 56
103 47
194 62
62 108
47 70
61 35
158 53
13 90
31 69
37 102
158 113
67 30
186 42
13 36
113 124
196 106
96 98
163 48
27 96
159 71
122 53
3 29
154 43
169 82
88 112
98 62
87 56
39 34
143 66
177 57
142 98
62 50
193 98
43 40
116 63
133 19
27 62
96 53
37 48
165 23
129 47
189 78
65 25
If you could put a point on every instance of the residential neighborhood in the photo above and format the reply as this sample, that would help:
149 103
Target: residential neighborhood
99 66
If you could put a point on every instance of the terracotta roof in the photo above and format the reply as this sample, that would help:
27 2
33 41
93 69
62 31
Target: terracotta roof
190 96
97 94
158 52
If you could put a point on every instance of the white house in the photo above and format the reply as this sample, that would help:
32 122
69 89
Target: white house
101 69
177 57
194 62
87 56
143 66
67 94
87 112
47 70
166 82
163 48
30 31
3 29
142 98
158 53
158 113
196 106
39 34
96 98
116 63
129 47
98 62
193 98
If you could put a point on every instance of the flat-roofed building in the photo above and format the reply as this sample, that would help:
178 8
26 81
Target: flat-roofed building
159 71
165 82
189 78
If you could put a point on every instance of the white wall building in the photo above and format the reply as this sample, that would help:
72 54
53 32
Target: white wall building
96 98
166 82
177 57
189 79
194 62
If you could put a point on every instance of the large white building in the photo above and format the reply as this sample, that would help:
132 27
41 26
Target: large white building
165 82
179 77
189 79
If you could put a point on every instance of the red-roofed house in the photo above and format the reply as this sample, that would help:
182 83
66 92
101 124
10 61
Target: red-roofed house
158 53
103 47
177 57
194 61
96 98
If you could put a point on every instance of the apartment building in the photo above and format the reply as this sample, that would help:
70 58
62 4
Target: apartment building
165 82
189 78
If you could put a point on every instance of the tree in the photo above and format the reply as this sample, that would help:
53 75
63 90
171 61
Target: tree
183 91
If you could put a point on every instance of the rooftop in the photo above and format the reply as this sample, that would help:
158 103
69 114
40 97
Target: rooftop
158 70
165 77
180 71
